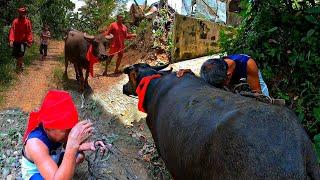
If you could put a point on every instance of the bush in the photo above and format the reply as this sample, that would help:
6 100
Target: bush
8 63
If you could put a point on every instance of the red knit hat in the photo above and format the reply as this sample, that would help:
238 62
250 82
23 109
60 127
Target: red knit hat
57 112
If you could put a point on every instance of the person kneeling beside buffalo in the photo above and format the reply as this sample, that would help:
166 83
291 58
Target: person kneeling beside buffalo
54 140
228 71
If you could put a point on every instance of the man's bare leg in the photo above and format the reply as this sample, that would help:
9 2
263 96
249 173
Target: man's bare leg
120 56
108 61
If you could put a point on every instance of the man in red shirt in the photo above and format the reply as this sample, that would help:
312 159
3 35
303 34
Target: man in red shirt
120 34
20 36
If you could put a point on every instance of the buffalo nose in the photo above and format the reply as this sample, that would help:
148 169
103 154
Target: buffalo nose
125 90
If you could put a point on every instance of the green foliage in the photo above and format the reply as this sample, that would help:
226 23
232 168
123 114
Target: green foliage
54 13
58 77
283 37
40 12
316 140
95 16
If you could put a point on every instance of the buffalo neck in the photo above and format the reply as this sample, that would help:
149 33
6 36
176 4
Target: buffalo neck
150 93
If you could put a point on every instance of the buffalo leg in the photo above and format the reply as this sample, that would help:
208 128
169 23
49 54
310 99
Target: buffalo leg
81 79
66 63
86 78
77 70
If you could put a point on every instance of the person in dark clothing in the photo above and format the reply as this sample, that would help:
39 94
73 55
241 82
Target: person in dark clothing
229 70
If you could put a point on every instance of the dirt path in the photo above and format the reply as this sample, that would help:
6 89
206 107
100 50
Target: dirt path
34 82
113 114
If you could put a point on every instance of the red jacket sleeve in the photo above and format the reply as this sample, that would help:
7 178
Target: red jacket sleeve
11 32
29 32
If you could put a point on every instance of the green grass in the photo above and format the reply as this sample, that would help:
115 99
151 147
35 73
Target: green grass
58 77
61 59
8 65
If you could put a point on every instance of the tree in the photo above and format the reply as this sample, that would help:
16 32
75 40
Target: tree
54 13
96 15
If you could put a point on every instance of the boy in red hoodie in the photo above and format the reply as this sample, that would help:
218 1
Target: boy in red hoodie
20 36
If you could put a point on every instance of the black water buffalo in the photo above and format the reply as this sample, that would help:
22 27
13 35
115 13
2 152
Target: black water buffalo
76 47
202 132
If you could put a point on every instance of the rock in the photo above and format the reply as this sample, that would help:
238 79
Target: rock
10 177
13 142
5 172
15 153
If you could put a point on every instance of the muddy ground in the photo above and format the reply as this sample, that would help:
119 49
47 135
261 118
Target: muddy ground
115 118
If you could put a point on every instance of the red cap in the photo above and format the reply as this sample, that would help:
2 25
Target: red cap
57 112
22 10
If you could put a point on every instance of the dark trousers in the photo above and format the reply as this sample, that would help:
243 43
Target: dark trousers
43 49
18 49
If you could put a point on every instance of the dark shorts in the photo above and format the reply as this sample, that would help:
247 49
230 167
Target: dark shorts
43 49
18 49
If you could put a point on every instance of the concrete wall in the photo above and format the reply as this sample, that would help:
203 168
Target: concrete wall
233 19
194 38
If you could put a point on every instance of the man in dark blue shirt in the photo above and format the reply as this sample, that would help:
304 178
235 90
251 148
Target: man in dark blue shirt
229 70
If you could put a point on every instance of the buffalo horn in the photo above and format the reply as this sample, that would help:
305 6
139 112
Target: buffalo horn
110 36
158 68
88 36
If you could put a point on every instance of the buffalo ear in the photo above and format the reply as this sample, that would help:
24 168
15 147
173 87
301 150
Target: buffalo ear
88 37
166 72
127 70
110 36
133 75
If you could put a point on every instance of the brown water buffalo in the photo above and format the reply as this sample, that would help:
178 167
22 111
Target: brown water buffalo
76 47
202 132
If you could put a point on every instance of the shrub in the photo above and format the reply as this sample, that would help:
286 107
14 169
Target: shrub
283 37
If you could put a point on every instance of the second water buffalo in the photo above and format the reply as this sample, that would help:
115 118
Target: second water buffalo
77 46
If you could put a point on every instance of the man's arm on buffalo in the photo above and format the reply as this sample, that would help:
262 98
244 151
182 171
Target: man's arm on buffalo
253 76
181 72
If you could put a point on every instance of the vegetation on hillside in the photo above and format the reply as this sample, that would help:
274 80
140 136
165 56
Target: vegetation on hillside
95 16
283 36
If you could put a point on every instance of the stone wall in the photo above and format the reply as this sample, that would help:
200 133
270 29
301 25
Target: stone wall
233 19
194 38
